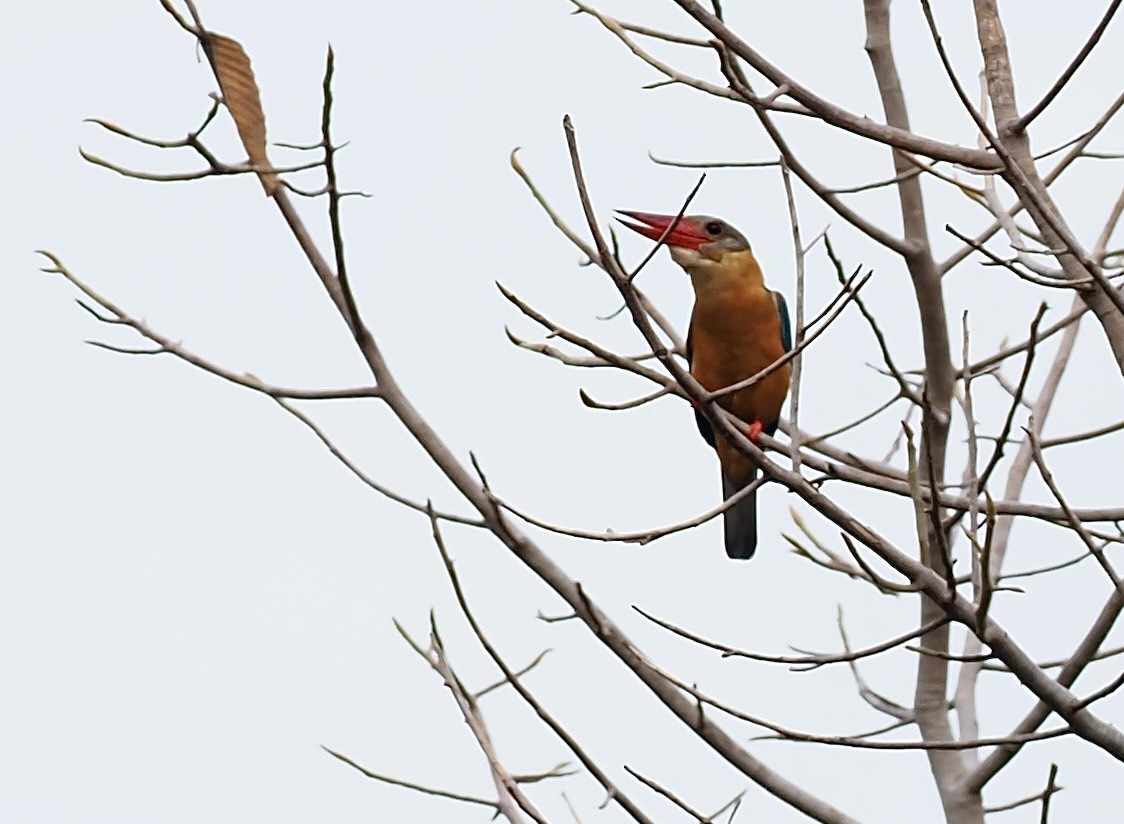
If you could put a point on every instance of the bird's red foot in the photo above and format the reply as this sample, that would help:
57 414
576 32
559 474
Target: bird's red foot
754 431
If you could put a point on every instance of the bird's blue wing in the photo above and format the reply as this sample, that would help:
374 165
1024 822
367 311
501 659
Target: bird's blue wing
786 324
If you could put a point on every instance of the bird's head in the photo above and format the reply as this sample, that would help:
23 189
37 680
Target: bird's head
701 244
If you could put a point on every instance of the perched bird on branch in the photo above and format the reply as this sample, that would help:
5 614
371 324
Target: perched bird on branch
738 328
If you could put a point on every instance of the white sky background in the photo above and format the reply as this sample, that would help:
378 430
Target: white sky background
195 596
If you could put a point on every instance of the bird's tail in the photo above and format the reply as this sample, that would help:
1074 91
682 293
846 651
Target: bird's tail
740 521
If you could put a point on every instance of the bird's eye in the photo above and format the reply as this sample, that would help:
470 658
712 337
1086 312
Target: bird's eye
714 227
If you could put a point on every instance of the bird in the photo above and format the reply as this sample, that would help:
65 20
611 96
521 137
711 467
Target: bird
738 327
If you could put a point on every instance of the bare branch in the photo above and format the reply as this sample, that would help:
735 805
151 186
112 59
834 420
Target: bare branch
180 21
642 537
1070 70
855 742
668 794
714 164
1077 151
670 228
164 345
836 115
1048 477
592 403
1073 667
505 681
1021 173
1092 434
739 83
876 700
905 390
798 337
1047 794
1022 802
513 678
797 662
397 782
334 195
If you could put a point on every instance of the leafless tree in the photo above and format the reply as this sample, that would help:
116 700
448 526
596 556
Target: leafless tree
955 566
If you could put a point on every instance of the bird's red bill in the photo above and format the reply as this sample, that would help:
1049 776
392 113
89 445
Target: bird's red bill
685 233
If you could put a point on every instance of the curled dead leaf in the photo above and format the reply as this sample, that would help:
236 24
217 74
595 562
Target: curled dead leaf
232 67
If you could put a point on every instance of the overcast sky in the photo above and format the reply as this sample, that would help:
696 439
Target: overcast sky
195 596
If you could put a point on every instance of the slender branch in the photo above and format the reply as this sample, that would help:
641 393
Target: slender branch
641 537
874 699
1077 150
592 403
1109 227
1047 794
989 767
1020 172
714 164
1070 70
659 243
511 796
386 492
739 83
796 662
855 742
798 337
397 782
495 685
904 389
930 703
999 528
164 345
1092 434
1031 799
668 794
334 195
829 112
513 678
1048 478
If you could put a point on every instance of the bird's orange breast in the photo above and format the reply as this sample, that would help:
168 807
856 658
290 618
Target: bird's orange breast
735 333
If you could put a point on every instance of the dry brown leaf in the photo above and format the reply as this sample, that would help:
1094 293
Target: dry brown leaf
240 92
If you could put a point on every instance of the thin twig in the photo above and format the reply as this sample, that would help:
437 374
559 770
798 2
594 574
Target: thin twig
1068 73
398 782
513 678
810 661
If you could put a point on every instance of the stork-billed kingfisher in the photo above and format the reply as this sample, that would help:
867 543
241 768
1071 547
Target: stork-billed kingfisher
738 327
